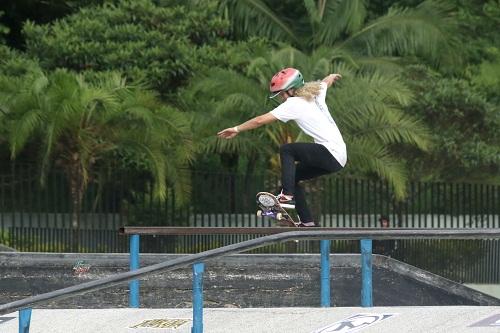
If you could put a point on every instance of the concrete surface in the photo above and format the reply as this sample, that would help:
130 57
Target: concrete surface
262 320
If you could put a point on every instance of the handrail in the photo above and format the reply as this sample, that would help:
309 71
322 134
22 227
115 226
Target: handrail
183 231
316 234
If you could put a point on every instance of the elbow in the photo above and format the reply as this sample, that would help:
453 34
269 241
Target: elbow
259 121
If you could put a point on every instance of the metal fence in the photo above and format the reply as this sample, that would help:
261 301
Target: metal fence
39 218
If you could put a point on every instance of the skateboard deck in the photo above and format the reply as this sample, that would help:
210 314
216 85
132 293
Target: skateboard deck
270 207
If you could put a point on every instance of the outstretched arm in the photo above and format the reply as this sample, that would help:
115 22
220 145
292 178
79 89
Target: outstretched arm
331 79
258 121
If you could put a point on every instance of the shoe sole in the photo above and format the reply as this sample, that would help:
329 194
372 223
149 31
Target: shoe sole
289 206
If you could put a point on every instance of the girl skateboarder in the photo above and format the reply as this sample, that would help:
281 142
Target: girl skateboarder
305 104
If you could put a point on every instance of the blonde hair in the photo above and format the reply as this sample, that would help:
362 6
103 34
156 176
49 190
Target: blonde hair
309 91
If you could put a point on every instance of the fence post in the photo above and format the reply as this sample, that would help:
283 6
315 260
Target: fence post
134 264
325 272
366 273
198 269
24 320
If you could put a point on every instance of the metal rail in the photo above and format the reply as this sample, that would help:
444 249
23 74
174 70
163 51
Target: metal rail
317 234
183 231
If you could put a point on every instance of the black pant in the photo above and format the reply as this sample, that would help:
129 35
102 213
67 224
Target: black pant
314 160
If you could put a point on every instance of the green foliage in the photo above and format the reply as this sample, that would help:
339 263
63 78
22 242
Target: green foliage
4 237
464 126
163 45
3 29
224 98
80 125
486 75
146 210
341 36
14 63
196 53
17 12
345 27
33 243
479 21
368 108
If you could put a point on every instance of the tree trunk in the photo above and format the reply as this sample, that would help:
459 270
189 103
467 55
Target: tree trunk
248 181
76 189
230 163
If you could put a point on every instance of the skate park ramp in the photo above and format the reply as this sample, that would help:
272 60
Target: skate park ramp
235 281
243 293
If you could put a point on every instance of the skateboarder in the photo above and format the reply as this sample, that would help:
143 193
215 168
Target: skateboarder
305 104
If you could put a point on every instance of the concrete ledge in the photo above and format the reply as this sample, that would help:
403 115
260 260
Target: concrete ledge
256 280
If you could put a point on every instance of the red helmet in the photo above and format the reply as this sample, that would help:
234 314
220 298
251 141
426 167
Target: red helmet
285 79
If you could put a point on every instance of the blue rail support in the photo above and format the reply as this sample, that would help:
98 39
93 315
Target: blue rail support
134 265
198 269
366 273
325 272
24 320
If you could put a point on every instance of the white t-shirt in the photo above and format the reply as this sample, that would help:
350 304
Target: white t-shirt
315 120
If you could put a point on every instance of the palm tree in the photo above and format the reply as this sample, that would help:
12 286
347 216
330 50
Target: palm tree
343 27
368 108
220 99
83 124
337 36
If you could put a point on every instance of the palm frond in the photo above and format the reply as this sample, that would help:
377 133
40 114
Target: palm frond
365 157
425 30
254 17
386 65
23 129
340 16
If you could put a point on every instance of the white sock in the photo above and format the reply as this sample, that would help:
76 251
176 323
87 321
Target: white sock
309 224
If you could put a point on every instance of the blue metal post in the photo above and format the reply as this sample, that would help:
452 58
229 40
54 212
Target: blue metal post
24 320
366 273
198 269
134 264
325 273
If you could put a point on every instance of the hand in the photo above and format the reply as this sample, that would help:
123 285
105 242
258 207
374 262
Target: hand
335 77
331 79
228 133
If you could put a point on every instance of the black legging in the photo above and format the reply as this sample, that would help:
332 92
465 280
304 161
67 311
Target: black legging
314 160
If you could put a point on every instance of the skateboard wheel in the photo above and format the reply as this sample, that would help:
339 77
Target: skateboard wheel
259 213
279 216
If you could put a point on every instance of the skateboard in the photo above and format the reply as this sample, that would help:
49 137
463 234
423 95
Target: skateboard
270 207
